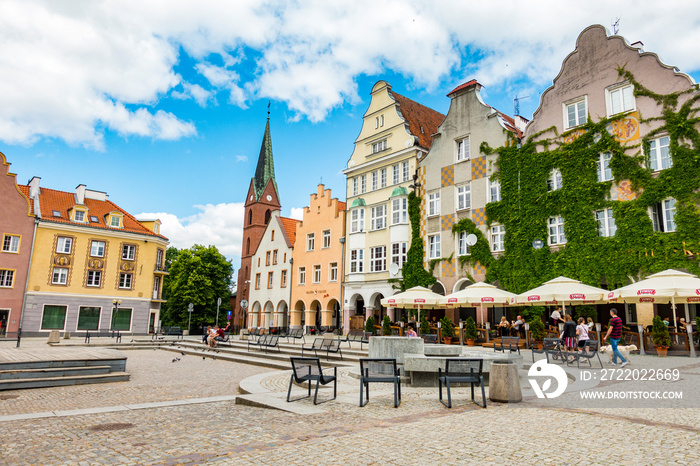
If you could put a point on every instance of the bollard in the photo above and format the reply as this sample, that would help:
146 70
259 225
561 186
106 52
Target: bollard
640 330
504 382
691 343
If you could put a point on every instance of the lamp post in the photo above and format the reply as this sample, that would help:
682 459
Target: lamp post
190 308
439 326
116 303
218 303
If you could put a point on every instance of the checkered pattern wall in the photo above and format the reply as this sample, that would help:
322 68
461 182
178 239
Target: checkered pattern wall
446 222
479 216
423 209
448 268
479 269
478 168
447 176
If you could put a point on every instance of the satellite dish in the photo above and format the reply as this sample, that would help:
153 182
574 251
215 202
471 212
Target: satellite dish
471 239
537 244
394 268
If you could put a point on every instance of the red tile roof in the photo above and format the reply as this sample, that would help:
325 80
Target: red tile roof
463 86
422 121
50 200
290 227
342 205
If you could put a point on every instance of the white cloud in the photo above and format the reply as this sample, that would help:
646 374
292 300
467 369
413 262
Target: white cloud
297 213
70 70
220 225
241 158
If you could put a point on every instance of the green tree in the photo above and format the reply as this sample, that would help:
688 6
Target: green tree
386 326
369 325
198 275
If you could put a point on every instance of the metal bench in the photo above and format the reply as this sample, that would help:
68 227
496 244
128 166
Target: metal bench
104 334
315 346
297 334
508 343
308 370
458 370
429 338
357 335
549 346
589 350
171 331
374 370
265 342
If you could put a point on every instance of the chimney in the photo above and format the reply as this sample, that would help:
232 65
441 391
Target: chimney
80 194
34 187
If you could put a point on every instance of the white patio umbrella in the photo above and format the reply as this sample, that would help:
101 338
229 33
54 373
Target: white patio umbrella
417 297
668 286
562 290
479 294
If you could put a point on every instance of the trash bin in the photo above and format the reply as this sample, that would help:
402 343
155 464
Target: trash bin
504 382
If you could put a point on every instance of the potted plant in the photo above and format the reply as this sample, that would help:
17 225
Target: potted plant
369 325
470 331
537 332
448 330
660 336
386 326
424 326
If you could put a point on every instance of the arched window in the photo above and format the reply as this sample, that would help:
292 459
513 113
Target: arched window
250 217
247 250
267 216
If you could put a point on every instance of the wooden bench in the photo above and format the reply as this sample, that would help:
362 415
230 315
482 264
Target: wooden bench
458 370
265 342
508 343
307 370
373 370
103 334
12 336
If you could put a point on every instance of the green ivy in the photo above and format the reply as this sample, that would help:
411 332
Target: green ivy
413 272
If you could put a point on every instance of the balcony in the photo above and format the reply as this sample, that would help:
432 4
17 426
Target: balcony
161 270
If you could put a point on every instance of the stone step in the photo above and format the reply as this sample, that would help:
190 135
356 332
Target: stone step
118 365
52 372
19 384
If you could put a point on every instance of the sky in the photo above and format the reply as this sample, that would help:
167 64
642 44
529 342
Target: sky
162 103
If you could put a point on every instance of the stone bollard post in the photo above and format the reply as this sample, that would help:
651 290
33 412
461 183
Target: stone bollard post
504 382
54 337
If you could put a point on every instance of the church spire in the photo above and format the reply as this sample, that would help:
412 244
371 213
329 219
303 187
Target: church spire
265 170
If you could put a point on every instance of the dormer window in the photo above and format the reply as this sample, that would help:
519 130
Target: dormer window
115 221
79 216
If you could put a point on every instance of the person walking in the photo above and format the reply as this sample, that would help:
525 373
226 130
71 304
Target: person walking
582 333
615 333
569 333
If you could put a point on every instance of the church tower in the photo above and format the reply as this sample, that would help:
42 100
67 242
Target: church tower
262 199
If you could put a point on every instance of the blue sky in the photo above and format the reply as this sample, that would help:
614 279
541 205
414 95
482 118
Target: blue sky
162 104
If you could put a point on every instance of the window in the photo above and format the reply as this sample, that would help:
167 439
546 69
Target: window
382 178
121 319
357 260
333 272
317 274
156 228
463 197
6 278
434 246
88 318
257 281
462 246
258 262
56 213
379 146
270 279
575 114
283 282
268 257
556 230
620 99
159 259
97 249
54 318
434 203
64 245
302 275
404 172
116 222
603 170
663 215
94 219
398 253
310 242
606 222
274 257
378 217
363 184
79 216
554 181
59 276
94 277
374 181
498 234
354 186
463 150
272 235
659 155
10 243
395 169
128 252
125 281
494 191
399 210
377 261
357 220
284 258
326 239
156 287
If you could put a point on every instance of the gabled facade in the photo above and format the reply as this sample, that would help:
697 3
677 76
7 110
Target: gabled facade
261 201
396 133
455 185
94 266
271 270
318 258
17 236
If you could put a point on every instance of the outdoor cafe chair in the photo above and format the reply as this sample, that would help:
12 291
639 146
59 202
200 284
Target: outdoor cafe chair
381 371
459 370
308 370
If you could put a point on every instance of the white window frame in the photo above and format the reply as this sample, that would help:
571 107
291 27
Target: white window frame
494 191
399 252
463 194
97 248
377 259
333 272
462 246
317 273
326 239
357 220
354 186
357 260
257 281
310 242
577 120
10 243
395 173
379 146
128 252
374 180
302 275
126 281
59 276
555 229
405 171
399 210
667 222
434 251
64 245
82 216
656 158
94 278
463 152
382 178
606 222
363 184
623 91
603 169
498 238
378 217
283 279
270 280
433 203
7 278
554 181
115 221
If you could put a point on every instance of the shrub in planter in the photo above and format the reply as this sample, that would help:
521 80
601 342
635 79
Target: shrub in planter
424 326
470 332
537 332
386 326
369 325
448 328
659 334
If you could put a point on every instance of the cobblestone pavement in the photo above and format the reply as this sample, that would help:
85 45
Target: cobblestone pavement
420 431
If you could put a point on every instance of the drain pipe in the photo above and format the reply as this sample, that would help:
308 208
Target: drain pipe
26 282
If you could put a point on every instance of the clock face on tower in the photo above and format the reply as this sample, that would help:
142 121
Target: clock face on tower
269 198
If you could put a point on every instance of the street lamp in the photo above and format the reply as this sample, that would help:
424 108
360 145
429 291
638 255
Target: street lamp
116 303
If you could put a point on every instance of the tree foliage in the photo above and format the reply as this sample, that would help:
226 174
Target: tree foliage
198 275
